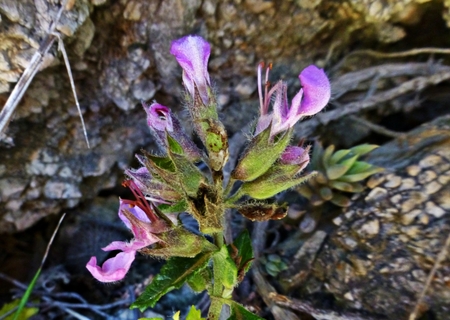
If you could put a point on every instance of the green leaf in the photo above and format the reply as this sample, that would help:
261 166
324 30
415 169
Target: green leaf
238 312
200 281
336 171
338 156
153 318
363 149
188 174
350 161
243 244
342 186
326 193
194 314
164 163
340 200
272 183
260 155
327 156
316 158
225 272
359 167
180 206
172 276
360 176
174 146
8 308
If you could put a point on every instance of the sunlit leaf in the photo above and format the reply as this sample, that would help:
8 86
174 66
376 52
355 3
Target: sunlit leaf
172 276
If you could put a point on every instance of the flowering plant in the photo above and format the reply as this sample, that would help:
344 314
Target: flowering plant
172 183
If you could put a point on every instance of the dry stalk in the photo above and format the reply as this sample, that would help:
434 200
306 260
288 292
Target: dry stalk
441 256
33 67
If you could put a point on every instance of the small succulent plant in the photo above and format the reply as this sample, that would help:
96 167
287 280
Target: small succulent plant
273 264
337 173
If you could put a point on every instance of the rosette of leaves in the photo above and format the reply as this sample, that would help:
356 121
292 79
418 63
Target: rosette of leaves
273 264
338 172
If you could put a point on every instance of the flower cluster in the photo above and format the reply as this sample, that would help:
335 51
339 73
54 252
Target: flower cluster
170 182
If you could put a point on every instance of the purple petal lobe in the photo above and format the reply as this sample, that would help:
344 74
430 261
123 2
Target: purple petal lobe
192 53
295 155
158 117
316 90
133 245
113 269
135 210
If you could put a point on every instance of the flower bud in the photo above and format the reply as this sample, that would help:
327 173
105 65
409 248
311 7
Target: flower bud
192 53
161 122
260 155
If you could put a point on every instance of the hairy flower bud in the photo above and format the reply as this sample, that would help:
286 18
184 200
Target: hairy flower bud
161 122
192 53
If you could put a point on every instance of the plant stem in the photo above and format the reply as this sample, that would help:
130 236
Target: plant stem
215 309
235 197
230 184
218 239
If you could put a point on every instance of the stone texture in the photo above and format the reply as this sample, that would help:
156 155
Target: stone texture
119 52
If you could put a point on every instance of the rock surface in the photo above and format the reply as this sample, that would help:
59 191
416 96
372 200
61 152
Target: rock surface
386 243
119 52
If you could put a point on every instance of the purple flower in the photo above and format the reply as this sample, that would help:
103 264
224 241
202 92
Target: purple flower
139 217
160 120
311 99
295 156
192 53
158 117
316 90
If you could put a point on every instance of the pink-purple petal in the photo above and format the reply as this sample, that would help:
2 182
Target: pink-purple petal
158 117
192 53
316 90
294 155
135 210
113 269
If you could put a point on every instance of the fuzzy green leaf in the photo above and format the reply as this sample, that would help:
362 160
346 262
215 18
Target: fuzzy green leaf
225 269
174 146
200 281
363 149
164 163
238 312
260 155
180 206
172 276
243 244
188 174
263 189
194 314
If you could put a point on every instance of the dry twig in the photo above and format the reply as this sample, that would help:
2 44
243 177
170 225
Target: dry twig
441 256
417 84
381 55
33 67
